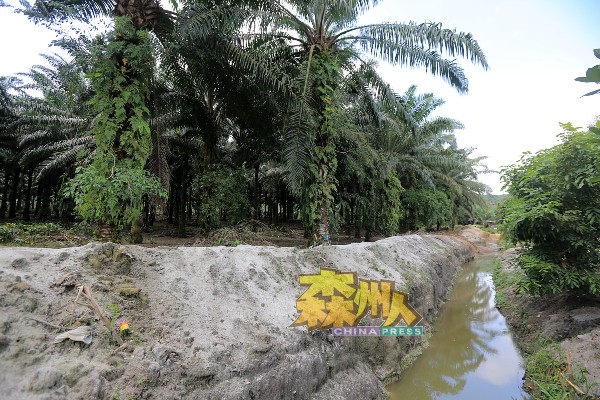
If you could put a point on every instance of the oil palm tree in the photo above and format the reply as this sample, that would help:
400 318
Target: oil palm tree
121 86
422 154
53 130
326 42
418 153
10 89
55 127
144 14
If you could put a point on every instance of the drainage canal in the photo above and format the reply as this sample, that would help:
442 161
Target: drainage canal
471 353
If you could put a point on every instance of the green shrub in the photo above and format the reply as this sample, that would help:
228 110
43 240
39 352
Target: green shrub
222 194
19 232
8 233
554 211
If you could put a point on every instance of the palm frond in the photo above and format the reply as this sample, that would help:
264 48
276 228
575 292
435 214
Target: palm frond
58 11
298 145
428 35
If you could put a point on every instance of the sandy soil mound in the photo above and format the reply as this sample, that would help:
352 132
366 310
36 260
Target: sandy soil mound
206 322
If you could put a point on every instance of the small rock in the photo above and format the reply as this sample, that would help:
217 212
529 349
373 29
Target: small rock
262 348
128 290
45 378
62 257
94 387
19 263
163 354
122 261
22 286
154 368
95 261
139 353
110 257
68 281
112 374
29 305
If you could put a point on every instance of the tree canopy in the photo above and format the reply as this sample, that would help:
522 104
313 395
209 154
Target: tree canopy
554 209
223 111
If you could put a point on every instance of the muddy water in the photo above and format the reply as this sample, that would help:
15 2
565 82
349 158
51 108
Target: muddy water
471 354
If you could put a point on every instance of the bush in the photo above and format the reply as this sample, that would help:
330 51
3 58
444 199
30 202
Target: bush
222 194
554 210
8 233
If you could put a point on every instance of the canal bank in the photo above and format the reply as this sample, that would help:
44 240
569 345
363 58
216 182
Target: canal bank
206 322
559 336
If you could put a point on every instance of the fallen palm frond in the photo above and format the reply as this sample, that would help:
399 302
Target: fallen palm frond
87 293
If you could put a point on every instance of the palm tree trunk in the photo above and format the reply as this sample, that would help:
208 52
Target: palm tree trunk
182 201
12 213
176 200
27 206
38 199
210 145
171 201
326 78
3 207
290 207
137 236
256 192
189 202
357 222
45 203
323 207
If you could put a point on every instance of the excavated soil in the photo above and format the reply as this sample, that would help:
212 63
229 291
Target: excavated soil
205 322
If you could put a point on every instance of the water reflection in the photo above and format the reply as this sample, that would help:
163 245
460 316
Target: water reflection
471 353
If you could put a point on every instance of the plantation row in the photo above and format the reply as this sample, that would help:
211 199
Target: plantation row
222 111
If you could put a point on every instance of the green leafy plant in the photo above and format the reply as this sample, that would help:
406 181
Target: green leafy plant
222 197
8 233
592 75
111 189
554 211
28 232
113 311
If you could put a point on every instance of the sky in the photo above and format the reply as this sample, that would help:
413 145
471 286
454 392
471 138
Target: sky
535 49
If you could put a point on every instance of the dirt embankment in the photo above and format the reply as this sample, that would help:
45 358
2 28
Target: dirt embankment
206 322
569 319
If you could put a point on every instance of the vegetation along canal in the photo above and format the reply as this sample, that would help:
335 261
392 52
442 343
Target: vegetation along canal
471 353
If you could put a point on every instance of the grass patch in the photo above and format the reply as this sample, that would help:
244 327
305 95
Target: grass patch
43 234
548 373
19 232
503 282
486 229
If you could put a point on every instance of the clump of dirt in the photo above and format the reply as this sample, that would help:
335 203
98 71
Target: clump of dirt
204 322
110 257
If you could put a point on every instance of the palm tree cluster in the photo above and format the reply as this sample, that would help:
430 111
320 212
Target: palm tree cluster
261 109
